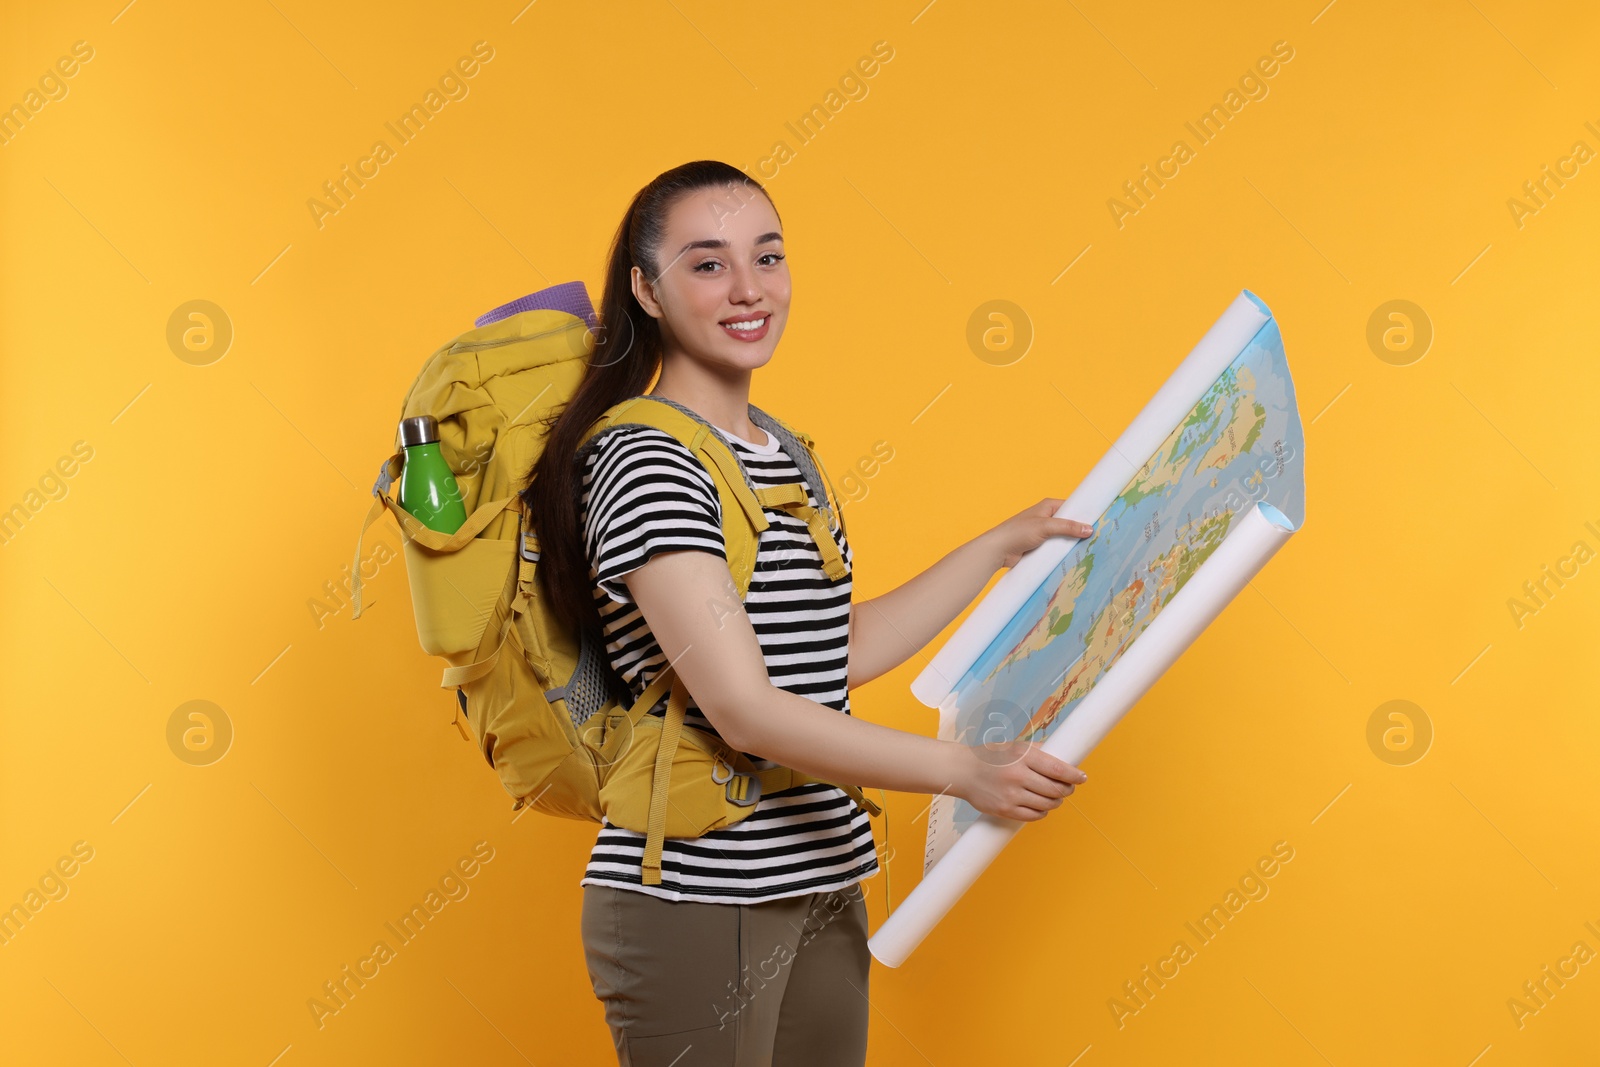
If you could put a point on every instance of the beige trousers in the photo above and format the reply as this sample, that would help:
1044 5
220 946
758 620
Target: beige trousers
782 983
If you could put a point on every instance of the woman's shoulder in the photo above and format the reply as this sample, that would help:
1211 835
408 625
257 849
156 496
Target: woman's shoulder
632 460
637 443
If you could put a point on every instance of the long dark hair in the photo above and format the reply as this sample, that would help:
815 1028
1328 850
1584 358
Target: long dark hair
625 361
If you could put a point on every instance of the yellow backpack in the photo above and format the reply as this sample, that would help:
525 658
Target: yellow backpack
540 698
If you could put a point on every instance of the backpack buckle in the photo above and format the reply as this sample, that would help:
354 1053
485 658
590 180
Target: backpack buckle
529 555
741 789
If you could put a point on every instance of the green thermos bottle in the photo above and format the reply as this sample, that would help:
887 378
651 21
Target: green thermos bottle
428 490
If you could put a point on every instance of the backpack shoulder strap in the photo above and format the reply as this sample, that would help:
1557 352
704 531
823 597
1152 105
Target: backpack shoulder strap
802 449
742 517
826 516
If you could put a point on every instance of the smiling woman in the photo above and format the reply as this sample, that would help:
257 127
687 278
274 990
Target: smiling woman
633 551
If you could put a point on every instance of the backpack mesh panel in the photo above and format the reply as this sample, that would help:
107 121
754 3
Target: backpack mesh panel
592 683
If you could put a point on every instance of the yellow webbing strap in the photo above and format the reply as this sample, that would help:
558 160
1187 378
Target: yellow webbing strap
416 531
391 471
834 501
792 498
716 456
854 793
656 826
450 542
526 567
648 698
776 779
888 854
692 435
437 541
873 811
729 468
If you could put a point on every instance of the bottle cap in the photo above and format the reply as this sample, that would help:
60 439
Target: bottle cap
419 430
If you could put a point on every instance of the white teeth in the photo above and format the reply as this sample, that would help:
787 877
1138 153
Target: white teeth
753 324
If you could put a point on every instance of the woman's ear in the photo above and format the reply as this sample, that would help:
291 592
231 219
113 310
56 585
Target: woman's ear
645 293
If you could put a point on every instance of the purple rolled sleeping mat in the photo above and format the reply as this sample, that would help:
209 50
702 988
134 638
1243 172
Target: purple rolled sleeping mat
570 297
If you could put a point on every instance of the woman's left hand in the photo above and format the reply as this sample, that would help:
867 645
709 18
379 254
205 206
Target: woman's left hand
1029 529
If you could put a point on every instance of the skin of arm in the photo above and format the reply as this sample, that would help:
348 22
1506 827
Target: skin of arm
899 623
690 604
887 630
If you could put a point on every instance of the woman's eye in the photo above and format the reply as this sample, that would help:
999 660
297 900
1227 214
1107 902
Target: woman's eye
700 268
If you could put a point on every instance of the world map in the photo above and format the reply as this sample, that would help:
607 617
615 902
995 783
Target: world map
1241 444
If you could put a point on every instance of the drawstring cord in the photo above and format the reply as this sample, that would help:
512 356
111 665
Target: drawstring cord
888 857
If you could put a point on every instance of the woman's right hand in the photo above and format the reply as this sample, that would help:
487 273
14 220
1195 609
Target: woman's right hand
1014 780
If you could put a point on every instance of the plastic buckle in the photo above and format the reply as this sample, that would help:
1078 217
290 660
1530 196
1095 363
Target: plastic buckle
750 795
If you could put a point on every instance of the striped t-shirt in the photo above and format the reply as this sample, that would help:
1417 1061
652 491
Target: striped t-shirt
644 493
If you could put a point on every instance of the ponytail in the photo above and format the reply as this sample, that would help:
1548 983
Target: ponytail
624 364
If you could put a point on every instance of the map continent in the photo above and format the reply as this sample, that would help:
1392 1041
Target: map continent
1232 451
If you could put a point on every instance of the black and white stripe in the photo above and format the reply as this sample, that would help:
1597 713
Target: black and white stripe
644 493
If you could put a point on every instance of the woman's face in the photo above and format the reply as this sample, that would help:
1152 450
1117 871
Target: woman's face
721 263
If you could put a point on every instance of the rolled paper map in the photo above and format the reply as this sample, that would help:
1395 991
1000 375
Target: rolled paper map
1202 488
1259 535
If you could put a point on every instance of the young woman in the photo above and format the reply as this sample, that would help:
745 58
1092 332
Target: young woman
752 949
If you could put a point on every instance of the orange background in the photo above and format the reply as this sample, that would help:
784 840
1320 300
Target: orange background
181 561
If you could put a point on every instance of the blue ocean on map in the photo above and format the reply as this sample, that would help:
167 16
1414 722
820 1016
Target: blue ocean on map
1241 444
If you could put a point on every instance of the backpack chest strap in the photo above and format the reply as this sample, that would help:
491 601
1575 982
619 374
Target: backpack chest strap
793 499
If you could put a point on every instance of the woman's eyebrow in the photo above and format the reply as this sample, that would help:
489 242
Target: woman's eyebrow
718 242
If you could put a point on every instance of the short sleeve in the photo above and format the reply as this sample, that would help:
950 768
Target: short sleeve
645 493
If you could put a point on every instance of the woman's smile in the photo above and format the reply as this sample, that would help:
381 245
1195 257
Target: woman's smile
747 327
